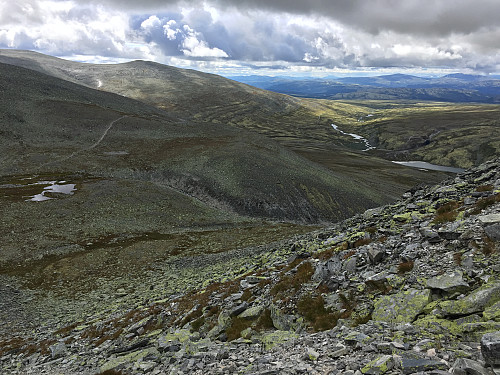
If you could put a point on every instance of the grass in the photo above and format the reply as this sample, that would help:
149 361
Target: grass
447 212
484 203
484 188
264 322
489 246
405 267
233 332
362 242
381 287
312 308
295 281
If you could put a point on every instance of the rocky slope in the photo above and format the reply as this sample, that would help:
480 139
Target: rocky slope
407 288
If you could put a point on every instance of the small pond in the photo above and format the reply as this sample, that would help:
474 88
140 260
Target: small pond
429 166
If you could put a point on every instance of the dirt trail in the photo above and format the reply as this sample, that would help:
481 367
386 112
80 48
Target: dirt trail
108 128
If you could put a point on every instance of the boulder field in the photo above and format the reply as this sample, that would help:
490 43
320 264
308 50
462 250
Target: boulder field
411 287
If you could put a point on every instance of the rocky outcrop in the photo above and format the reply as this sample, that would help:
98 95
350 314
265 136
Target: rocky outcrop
408 288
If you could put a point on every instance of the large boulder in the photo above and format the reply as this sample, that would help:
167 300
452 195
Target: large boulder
448 283
490 348
475 302
402 307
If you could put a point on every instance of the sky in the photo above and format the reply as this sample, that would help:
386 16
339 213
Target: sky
268 37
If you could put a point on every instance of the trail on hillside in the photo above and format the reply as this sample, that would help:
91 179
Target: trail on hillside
108 128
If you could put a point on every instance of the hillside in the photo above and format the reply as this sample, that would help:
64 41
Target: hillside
400 289
154 171
304 125
301 125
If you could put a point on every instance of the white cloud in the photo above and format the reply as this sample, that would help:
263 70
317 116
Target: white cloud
296 35
194 47
151 22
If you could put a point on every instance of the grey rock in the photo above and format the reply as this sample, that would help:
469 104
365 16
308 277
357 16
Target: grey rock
376 254
239 309
490 348
379 365
402 307
489 219
349 265
355 338
283 322
312 354
253 279
252 312
464 366
412 365
58 350
448 283
493 232
468 201
475 302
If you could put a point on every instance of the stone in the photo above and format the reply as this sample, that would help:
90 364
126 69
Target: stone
130 358
448 283
349 265
339 350
312 354
332 267
284 322
376 254
492 312
477 301
490 348
252 312
58 350
402 307
272 339
379 365
464 366
489 219
493 232
355 338
239 309
412 365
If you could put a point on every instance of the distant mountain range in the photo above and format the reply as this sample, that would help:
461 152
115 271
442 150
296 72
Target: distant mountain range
450 88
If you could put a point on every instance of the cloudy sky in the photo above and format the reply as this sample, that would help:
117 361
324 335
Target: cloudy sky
264 36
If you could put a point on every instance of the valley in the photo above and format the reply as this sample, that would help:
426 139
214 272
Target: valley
128 188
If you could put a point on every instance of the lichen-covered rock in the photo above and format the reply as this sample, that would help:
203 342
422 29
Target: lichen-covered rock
477 301
448 283
252 313
284 322
277 337
492 312
402 307
378 366
490 348
130 358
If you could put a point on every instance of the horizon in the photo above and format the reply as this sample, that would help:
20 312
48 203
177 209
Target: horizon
251 37
333 74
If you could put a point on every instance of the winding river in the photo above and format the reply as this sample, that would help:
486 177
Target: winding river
358 137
